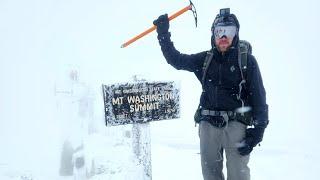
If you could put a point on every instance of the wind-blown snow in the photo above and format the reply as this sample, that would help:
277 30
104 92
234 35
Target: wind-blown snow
55 55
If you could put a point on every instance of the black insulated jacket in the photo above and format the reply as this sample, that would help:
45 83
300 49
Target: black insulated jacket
221 85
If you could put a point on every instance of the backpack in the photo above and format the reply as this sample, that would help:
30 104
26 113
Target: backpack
245 48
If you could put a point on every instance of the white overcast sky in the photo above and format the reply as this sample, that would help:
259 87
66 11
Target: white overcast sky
41 38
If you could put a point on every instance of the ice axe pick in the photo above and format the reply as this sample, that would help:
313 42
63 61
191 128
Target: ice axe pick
178 13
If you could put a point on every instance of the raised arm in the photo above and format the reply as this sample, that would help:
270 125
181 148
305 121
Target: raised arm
178 60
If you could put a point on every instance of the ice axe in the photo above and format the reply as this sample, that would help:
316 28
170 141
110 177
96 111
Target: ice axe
178 13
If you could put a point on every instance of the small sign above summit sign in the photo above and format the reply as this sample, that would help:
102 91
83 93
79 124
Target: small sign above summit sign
141 102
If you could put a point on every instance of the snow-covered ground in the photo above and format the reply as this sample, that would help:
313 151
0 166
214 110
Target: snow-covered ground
174 156
55 55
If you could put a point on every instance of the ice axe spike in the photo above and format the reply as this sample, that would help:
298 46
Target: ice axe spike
178 13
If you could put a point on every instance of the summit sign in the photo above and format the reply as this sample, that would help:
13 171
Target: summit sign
141 102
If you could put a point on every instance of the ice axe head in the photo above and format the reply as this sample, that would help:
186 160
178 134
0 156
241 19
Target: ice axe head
190 7
194 11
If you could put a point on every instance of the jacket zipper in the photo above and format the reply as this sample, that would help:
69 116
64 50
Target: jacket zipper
216 87
216 96
220 74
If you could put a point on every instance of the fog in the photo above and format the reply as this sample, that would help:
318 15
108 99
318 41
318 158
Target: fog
42 42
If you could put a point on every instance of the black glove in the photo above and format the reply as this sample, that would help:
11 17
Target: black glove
253 137
162 24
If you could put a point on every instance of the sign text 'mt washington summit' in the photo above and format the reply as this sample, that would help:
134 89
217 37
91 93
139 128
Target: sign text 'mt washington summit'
144 102
141 102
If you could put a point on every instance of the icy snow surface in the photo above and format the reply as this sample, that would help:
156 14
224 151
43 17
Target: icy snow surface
55 55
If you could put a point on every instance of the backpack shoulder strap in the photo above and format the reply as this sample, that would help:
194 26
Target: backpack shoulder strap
244 49
206 63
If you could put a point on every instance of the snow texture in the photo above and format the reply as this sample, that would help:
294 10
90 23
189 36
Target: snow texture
141 102
56 55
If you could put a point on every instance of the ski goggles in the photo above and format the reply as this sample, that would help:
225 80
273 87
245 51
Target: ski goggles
221 31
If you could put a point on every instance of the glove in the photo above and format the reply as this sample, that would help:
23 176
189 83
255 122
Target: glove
253 137
162 24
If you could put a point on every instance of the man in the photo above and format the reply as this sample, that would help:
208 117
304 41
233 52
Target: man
228 97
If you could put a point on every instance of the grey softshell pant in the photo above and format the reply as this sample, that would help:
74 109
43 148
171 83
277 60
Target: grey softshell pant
213 141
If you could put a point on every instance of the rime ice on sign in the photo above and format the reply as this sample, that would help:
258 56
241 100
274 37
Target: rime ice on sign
141 102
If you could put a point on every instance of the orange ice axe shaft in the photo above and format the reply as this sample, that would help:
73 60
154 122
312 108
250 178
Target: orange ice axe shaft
190 7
